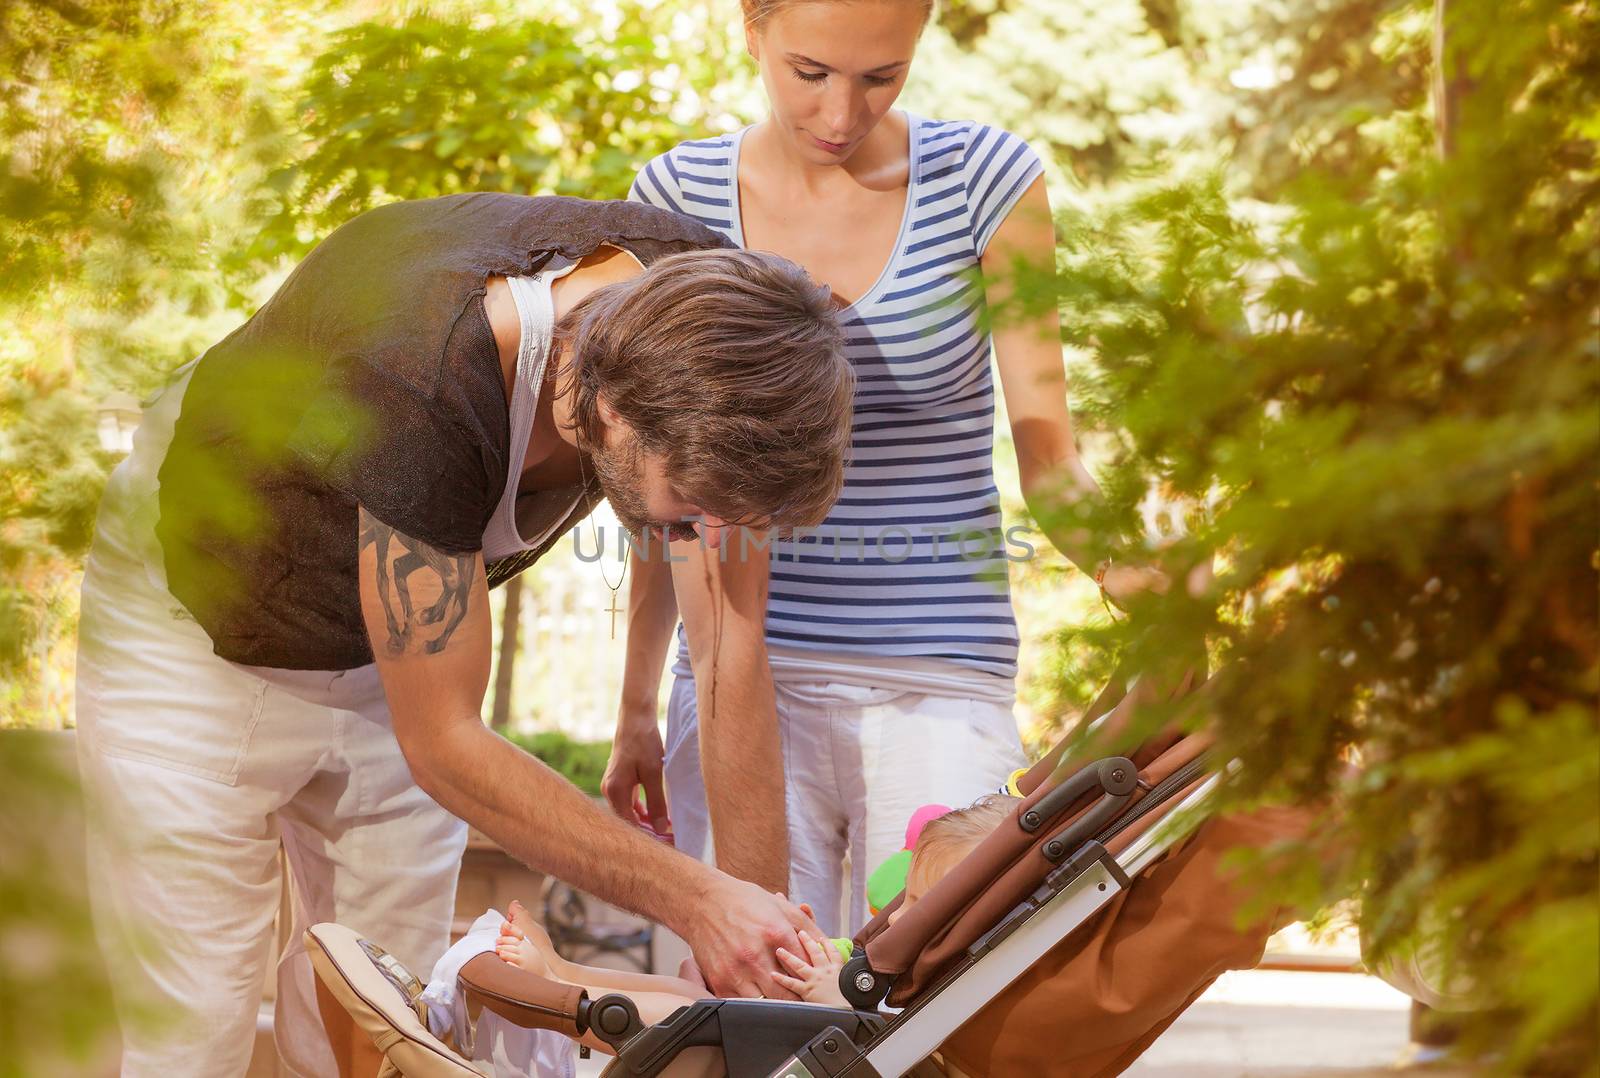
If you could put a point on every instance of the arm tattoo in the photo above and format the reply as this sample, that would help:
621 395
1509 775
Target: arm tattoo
405 563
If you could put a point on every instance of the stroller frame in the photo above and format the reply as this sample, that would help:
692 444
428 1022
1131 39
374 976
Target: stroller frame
1071 895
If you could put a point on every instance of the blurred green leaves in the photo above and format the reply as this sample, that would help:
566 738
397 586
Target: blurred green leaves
1384 391
55 1001
1361 373
107 105
435 105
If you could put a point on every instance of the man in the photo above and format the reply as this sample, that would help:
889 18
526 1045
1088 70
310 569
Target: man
285 631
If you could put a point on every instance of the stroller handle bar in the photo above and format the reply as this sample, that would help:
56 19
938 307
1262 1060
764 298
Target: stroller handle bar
535 1002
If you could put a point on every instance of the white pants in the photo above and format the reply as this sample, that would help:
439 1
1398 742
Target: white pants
857 762
196 770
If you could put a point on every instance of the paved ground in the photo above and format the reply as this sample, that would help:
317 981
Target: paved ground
1264 1024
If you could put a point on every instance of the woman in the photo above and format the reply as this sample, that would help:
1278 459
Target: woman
874 662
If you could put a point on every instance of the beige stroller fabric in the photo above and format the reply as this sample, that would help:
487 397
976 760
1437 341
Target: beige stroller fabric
382 1010
999 873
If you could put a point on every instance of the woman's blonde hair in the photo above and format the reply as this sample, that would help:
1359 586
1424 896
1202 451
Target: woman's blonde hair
730 366
946 839
757 12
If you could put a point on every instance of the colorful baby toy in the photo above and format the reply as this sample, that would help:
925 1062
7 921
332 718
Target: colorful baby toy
889 879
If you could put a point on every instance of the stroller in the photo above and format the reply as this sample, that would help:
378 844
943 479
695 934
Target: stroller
1063 944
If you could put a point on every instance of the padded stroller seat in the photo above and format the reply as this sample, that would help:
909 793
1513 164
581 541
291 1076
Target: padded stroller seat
754 1035
384 999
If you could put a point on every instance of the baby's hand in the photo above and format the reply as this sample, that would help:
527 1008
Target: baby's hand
816 977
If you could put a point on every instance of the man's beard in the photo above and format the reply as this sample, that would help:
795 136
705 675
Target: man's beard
621 473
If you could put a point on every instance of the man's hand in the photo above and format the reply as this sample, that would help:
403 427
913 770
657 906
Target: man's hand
1124 582
636 752
636 759
736 934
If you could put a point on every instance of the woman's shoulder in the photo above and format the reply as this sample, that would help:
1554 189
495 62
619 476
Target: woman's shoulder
980 153
710 144
693 178
692 155
991 165
690 166
969 136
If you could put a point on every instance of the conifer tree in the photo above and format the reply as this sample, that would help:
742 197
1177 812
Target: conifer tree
1378 395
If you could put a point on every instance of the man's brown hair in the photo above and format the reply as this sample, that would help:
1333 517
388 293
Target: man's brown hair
729 365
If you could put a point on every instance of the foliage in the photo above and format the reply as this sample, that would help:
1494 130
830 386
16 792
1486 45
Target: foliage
1367 368
124 123
55 1003
582 762
127 126
435 105
51 473
72 181
1091 85
1384 393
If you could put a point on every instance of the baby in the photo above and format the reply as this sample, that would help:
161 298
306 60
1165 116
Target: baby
814 976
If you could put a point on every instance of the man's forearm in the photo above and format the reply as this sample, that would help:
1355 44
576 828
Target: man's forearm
547 823
741 763
652 613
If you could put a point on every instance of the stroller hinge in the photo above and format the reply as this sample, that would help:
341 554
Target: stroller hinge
1076 865
830 1054
1116 777
864 987
613 1018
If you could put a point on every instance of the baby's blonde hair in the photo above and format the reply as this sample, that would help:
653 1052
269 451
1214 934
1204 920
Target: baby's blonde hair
946 839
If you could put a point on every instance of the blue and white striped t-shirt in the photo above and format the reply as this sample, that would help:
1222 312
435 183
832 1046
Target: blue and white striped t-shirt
912 560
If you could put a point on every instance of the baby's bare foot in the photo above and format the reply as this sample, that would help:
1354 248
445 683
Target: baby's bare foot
522 925
519 916
518 951
530 929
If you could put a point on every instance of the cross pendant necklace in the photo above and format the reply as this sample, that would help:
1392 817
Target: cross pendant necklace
614 610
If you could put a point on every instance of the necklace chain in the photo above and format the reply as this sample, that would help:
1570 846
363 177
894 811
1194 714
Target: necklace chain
594 532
